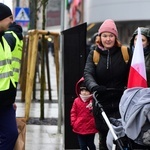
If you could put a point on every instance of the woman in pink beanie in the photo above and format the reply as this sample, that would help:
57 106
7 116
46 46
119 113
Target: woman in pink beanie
108 77
108 26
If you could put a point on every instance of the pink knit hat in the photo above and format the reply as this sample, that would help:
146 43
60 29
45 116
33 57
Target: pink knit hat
108 26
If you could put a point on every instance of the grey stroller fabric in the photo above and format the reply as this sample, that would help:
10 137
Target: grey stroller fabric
135 114
119 132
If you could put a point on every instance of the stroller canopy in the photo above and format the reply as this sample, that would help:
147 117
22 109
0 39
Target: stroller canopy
134 108
135 111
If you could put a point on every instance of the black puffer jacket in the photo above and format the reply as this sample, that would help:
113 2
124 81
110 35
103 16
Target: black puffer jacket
112 73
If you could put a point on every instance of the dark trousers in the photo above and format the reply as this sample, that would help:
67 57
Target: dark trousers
102 140
8 128
86 141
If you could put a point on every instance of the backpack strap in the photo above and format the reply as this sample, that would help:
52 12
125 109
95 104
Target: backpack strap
124 50
125 53
96 57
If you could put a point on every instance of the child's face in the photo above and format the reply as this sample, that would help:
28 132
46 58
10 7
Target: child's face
85 92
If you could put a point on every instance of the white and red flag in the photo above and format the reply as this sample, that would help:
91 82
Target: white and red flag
137 74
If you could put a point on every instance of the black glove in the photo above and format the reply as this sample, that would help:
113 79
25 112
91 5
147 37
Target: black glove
99 88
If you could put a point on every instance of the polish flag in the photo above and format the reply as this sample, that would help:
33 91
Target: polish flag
137 74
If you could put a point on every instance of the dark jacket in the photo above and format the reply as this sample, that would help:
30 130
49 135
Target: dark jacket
110 72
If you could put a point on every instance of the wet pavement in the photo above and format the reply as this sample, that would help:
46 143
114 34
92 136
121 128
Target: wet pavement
43 137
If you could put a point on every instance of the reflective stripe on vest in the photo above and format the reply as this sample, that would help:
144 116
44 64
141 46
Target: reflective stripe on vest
16 55
4 62
6 72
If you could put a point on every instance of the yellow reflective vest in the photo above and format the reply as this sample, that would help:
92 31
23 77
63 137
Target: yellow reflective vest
6 70
16 56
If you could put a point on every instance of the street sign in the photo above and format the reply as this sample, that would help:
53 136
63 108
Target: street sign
22 14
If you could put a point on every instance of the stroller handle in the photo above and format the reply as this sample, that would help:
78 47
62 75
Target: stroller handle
97 104
95 94
114 89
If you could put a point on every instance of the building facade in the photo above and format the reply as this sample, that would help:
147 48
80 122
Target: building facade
53 15
128 15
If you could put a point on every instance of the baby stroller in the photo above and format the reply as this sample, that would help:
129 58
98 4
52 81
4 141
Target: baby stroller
134 123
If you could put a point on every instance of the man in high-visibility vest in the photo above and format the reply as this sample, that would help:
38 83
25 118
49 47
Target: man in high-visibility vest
8 127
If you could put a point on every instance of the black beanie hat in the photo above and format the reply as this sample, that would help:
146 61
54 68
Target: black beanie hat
82 86
4 11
